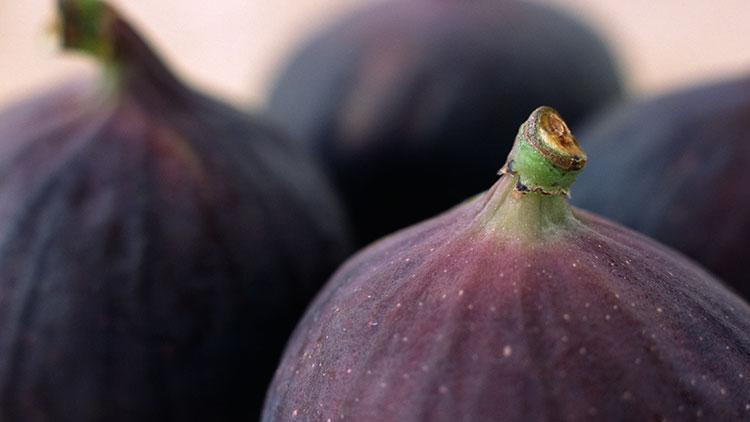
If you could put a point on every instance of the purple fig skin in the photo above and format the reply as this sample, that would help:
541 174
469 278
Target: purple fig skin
157 248
680 164
462 318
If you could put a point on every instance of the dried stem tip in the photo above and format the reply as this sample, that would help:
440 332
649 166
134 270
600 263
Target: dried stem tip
546 156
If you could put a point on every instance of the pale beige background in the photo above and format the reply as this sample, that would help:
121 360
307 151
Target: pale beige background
232 47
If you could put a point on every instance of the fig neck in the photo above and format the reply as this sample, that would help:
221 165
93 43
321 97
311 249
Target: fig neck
529 202
524 216
95 28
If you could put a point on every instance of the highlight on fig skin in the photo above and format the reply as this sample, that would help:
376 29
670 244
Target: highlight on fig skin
513 306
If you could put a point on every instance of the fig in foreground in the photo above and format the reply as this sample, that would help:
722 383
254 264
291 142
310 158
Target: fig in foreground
156 246
515 306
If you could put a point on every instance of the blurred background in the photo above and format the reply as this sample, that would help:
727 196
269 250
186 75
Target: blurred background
233 47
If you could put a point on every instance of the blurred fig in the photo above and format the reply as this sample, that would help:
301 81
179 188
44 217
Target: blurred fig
514 306
675 168
156 246
403 101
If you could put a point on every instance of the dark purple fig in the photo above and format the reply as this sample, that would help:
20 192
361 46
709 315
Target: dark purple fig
156 246
515 306
403 101
675 168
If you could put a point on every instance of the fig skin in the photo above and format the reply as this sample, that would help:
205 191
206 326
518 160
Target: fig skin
677 165
157 247
515 306
404 101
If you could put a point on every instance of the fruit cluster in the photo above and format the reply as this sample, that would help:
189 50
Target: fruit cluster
159 247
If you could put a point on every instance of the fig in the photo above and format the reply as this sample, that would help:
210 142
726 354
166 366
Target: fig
402 101
678 164
156 246
515 306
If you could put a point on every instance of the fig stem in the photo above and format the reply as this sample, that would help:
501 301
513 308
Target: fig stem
129 64
86 26
546 156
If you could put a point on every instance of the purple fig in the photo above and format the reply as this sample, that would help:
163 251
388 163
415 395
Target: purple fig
404 101
156 246
675 168
514 306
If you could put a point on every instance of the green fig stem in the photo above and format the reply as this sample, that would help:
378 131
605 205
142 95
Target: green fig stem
546 157
530 202
86 26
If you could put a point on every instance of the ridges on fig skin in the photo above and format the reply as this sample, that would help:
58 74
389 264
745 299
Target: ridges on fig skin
156 246
467 326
